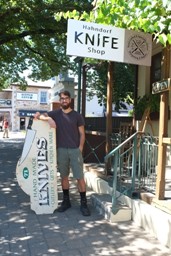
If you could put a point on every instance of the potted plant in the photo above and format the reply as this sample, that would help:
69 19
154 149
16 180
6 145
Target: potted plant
152 101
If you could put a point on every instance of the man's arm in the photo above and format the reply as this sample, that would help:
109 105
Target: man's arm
45 117
82 137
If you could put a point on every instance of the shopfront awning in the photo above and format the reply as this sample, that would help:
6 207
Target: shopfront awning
28 113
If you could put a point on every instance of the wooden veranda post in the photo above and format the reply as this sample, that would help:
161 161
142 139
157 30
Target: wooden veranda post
163 123
84 91
109 108
163 132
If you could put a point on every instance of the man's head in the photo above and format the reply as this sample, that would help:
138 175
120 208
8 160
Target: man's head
65 99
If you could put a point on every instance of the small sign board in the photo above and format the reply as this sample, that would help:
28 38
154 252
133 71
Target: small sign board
99 41
161 86
5 103
36 169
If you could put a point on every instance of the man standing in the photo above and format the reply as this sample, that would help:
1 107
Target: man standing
70 133
5 128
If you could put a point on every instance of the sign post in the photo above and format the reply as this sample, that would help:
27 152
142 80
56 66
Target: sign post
163 88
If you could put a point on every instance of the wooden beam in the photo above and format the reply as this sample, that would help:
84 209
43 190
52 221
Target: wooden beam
109 113
84 91
160 184
163 130
109 106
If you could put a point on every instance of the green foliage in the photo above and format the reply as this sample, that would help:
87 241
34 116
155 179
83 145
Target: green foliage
153 17
31 38
151 100
123 84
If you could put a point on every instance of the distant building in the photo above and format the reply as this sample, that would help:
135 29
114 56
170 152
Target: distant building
94 109
62 82
18 106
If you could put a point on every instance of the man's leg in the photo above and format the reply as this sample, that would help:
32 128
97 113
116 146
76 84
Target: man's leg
7 133
4 133
83 199
63 166
66 204
76 162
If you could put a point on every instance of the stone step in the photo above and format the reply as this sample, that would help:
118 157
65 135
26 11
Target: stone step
149 214
103 204
102 199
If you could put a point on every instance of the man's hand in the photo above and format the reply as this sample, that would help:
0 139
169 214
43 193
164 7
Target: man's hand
51 122
37 115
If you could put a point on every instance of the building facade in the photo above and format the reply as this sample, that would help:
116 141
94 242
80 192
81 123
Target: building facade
160 70
62 82
18 106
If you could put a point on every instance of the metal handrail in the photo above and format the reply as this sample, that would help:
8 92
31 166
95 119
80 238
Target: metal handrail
134 164
121 145
132 152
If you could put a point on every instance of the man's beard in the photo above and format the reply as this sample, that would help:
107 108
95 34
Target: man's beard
66 106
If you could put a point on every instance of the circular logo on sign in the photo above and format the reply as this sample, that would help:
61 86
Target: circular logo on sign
138 47
25 173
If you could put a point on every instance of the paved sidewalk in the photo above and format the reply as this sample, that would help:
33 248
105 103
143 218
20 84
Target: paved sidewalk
24 233
13 135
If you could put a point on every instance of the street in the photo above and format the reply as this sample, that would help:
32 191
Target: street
24 233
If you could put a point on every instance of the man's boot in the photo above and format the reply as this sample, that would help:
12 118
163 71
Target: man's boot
84 208
66 204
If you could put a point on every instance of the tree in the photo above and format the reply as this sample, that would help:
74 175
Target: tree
124 83
31 38
150 16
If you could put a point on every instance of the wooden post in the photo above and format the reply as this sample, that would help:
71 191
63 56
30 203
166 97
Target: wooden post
163 130
84 91
146 119
109 108
163 123
79 85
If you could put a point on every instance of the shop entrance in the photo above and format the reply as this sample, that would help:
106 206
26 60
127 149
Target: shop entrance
22 123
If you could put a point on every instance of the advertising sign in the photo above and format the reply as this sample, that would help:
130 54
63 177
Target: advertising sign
98 41
36 170
26 96
4 103
161 86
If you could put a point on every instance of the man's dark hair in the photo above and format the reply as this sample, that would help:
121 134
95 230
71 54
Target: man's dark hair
66 93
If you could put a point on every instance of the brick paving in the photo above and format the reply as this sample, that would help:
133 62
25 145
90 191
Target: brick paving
24 233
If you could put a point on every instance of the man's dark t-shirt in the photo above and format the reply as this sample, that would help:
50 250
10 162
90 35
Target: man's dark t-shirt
67 128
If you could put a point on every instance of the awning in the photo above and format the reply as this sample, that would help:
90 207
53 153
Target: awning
28 113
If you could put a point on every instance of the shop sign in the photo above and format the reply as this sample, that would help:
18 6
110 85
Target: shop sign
36 169
27 96
98 41
29 113
5 103
161 86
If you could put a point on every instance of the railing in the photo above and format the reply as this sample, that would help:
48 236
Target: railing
133 164
147 163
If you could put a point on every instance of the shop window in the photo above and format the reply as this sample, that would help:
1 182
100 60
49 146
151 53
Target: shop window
22 124
43 97
156 68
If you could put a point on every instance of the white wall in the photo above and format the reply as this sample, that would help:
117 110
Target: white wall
93 108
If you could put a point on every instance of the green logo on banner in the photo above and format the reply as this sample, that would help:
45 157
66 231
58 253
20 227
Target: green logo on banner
25 173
